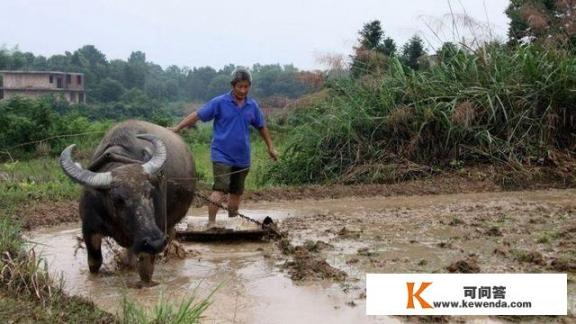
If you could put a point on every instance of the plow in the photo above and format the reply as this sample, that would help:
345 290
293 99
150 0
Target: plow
264 230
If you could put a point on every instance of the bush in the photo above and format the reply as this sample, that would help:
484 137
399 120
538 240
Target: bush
496 105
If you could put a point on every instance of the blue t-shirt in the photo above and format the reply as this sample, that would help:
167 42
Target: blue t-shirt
231 134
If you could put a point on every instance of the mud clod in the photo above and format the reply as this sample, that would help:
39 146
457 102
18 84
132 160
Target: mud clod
317 246
175 249
348 234
494 231
286 247
445 245
306 266
467 265
352 261
365 252
563 265
500 251
456 221
534 257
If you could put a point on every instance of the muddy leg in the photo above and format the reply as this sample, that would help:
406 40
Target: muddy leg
130 259
146 269
94 248
216 196
234 204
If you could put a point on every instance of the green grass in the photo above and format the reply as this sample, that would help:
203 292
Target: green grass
29 293
188 311
509 107
59 310
34 180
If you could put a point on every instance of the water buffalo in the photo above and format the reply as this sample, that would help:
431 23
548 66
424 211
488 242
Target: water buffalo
123 191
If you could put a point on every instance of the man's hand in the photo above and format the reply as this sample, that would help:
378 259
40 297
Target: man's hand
273 154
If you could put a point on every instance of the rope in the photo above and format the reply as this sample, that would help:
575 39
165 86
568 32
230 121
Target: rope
52 138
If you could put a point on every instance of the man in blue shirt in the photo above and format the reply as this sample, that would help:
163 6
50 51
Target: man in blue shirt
232 113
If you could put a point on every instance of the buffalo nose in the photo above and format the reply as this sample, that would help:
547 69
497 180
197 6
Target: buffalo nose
154 246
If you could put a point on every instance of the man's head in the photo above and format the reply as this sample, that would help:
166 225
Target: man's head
241 82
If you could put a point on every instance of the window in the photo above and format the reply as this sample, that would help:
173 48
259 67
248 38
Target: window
79 79
59 83
72 97
51 79
68 79
81 97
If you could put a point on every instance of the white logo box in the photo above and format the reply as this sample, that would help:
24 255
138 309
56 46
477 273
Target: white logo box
531 294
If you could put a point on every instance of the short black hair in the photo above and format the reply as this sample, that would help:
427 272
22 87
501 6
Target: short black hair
241 74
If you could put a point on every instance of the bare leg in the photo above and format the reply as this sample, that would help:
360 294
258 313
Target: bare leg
216 196
234 205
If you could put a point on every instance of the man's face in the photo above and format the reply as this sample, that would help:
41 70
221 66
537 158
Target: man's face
241 89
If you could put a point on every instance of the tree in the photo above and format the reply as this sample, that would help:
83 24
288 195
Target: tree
371 35
373 49
109 90
108 81
135 71
447 52
389 47
412 51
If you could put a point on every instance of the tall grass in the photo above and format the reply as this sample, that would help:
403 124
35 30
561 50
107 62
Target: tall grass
495 105
188 311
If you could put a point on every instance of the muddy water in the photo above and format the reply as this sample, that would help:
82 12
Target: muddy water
397 234
253 287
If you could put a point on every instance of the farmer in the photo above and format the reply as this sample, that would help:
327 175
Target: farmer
232 113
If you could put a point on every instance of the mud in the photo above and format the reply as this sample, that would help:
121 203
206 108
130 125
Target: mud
475 232
304 265
48 213
468 265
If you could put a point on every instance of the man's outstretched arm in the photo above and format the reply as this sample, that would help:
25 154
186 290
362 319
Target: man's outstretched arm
186 122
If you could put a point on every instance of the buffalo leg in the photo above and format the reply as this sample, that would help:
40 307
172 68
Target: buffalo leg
94 248
146 267
130 260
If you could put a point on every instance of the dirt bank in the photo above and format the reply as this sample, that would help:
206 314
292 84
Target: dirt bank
485 179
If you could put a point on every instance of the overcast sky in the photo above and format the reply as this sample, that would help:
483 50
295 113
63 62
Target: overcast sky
217 32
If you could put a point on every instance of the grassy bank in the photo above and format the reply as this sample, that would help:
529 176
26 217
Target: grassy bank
513 108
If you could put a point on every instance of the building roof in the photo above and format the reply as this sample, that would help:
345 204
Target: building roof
39 72
43 89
